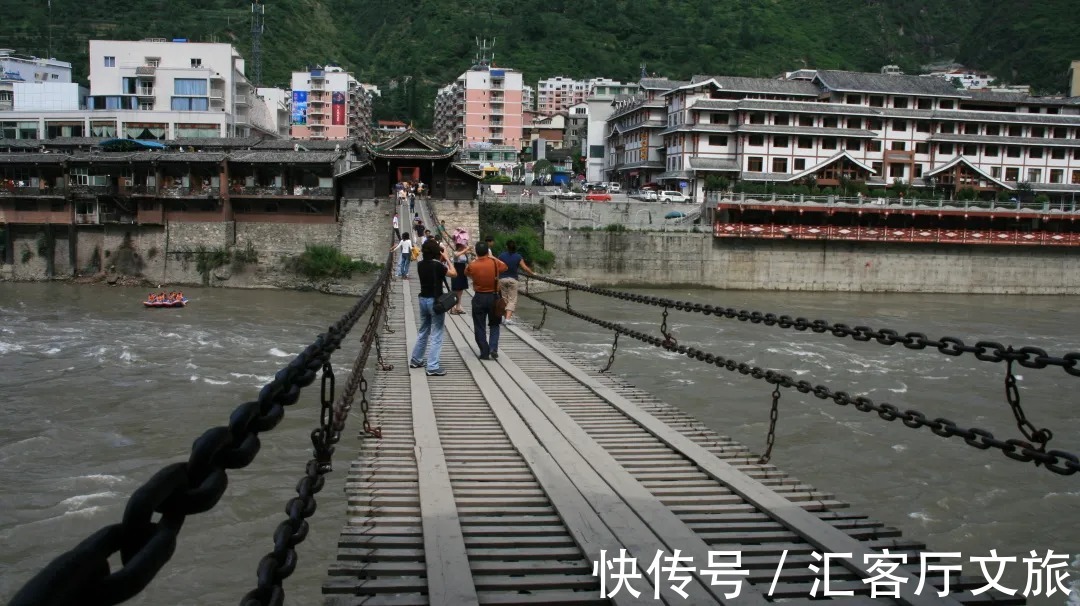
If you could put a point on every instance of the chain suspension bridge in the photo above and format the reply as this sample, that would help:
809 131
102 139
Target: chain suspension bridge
538 479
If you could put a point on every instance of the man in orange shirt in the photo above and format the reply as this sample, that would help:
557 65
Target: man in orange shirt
484 271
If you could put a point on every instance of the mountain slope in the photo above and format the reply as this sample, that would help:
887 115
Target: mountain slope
1023 41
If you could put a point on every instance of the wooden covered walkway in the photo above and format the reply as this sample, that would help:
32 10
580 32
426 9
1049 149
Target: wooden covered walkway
504 481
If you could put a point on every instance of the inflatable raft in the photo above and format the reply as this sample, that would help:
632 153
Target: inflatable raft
174 303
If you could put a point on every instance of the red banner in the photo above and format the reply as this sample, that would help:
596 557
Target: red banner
337 115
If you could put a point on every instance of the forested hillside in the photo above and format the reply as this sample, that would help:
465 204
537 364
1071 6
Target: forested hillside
431 41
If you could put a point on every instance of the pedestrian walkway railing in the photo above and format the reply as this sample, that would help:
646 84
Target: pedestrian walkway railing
1032 448
915 201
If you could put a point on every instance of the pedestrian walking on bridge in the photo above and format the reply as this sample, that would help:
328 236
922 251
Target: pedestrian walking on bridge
484 271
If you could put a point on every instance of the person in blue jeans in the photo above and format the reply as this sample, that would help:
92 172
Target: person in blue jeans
432 271
484 271
405 246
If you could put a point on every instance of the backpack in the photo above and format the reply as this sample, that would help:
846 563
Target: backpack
415 254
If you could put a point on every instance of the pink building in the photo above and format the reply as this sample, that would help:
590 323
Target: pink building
329 104
485 105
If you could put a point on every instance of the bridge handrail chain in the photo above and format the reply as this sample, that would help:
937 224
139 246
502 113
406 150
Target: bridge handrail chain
82 575
986 351
1057 461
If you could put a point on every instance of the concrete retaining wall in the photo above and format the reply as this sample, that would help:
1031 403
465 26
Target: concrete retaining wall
640 258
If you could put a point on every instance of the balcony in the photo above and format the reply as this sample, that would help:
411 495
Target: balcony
91 190
16 191
146 92
318 85
188 192
146 71
217 93
899 156
240 99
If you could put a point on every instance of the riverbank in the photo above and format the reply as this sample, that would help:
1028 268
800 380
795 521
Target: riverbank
626 259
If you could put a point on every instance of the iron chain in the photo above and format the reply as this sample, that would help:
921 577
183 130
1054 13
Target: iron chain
1012 396
611 358
84 574
1057 461
774 414
986 351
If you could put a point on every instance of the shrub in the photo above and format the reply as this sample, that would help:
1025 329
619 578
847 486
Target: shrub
242 257
615 227
529 245
325 262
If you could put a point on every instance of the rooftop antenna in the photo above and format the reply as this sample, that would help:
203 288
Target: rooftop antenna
50 30
644 74
258 25
484 56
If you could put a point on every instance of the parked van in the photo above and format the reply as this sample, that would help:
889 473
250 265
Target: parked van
673 196
614 187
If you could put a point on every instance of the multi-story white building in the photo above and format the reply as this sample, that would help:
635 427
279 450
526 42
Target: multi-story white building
558 94
329 103
279 101
600 107
874 128
156 89
35 83
485 105
635 147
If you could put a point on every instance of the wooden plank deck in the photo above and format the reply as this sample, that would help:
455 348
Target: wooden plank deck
502 482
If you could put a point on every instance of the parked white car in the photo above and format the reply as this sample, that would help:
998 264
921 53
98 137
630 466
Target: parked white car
614 187
673 196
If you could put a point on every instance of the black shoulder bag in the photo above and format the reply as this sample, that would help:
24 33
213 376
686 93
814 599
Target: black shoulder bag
445 301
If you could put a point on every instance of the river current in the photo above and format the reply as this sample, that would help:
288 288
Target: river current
97 394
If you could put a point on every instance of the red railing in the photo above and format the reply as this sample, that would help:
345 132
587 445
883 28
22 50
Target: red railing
895 234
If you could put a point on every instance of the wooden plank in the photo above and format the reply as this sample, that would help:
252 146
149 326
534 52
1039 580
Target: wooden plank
449 579
600 473
820 534
590 533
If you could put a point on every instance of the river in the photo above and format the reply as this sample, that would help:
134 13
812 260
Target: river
98 393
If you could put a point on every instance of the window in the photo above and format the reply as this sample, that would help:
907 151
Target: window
995 172
780 120
757 118
755 164
946 128
1035 152
1012 174
926 103
127 86
806 120
829 122
779 141
828 143
971 128
110 61
854 145
945 149
189 86
854 122
1060 132
875 124
918 171
190 104
717 118
1076 177
899 125
971 149
922 148
900 102
993 130
873 146
897 171
922 126
718 140
1057 153
877 101
945 104
853 99
596 151
1013 151
196 63
806 142
898 146
779 165
1015 130
1056 175
1076 153
146 105
54 76
990 151
152 61
1034 175
1038 131
800 164
756 141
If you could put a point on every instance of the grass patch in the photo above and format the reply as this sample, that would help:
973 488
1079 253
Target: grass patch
323 262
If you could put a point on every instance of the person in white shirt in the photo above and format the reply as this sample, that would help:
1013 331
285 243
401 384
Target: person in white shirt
397 226
405 245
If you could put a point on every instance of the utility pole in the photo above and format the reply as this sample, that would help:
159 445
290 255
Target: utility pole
258 25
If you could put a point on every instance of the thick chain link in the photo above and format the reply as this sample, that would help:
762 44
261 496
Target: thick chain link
611 358
543 317
195 486
1026 427
1057 461
774 414
987 351
669 340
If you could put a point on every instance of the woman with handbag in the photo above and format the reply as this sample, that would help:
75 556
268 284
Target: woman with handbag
434 303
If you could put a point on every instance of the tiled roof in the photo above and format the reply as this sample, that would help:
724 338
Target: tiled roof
962 160
285 157
1017 98
886 84
660 83
699 128
812 107
20 143
1039 141
769 86
640 164
23 158
805 130
465 169
218 142
311 145
73 141
714 104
